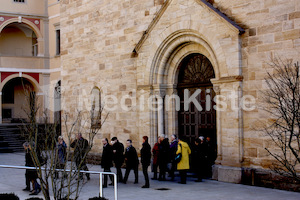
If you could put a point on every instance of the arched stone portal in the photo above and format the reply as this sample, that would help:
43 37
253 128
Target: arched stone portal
226 126
165 76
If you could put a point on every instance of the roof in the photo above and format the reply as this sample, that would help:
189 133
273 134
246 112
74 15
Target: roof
162 11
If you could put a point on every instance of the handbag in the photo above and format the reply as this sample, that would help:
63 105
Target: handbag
178 156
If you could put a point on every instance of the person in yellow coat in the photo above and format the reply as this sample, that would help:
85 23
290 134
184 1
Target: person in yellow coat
184 163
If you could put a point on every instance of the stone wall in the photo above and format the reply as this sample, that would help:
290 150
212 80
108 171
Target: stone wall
98 39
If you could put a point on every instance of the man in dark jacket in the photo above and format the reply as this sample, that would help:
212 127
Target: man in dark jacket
146 160
106 160
81 146
173 149
118 156
132 161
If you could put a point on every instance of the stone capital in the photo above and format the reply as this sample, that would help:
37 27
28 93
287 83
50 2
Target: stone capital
227 79
217 89
161 93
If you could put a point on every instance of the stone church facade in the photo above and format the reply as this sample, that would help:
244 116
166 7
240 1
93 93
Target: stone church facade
135 50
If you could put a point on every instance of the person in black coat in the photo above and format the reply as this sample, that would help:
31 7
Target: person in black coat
146 160
31 174
81 146
107 160
28 163
211 155
163 158
199 158
132 161
118 156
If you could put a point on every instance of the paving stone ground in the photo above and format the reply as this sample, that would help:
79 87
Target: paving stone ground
13 180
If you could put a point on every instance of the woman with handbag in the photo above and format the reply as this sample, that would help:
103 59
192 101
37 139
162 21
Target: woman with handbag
184 163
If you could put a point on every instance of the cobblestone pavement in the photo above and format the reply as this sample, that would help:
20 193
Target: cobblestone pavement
13 180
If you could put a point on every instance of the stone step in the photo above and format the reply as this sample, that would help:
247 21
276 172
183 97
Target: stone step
10 138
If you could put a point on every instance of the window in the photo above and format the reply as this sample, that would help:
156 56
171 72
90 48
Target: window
96 108
8 95
19 1
34 45
57 42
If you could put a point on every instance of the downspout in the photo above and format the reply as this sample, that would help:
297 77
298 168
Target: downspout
241 113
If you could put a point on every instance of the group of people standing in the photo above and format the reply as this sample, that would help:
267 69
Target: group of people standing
114 153
167 157
164 158
199 158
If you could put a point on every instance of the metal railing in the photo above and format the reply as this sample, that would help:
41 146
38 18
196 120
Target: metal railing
68 170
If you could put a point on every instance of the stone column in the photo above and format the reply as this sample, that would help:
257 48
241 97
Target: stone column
216 89
171 120
40 47
45 86
160 95
46 45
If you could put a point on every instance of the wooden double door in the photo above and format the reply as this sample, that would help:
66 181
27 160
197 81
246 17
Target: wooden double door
200 118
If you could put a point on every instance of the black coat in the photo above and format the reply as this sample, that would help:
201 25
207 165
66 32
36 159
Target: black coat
107 157
118 156
146 154
28 159
31 173
81 147
211 152
199 156
164 152
131 157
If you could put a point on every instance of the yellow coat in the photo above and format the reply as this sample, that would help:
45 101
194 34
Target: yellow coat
185 151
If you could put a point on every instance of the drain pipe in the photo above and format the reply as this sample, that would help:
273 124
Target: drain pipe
240 112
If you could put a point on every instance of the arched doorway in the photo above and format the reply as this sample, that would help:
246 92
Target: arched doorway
18 100
198 118
195 72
